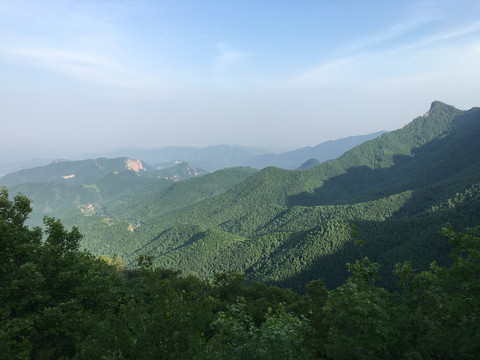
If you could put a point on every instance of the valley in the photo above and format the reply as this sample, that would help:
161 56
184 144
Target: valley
283 227
374 254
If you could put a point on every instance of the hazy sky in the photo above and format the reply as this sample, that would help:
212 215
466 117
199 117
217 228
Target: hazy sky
85 75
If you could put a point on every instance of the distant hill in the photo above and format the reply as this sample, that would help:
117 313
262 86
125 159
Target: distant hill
7 167
90 171
209 158
325 151
309 164
217 157
72 172
92 189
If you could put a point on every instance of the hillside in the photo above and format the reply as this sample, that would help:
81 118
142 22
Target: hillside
209 158
91 186
61 302
309 164
325 151
288 227
73 172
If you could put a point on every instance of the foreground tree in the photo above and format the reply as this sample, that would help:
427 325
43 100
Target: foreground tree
439 309
52 295
59 302
434 314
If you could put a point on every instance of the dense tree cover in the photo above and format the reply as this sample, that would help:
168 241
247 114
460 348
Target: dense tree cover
98 170
72 188
59 302
290 246
51 293
289 227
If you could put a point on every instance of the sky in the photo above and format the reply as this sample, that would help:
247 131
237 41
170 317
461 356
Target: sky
96 75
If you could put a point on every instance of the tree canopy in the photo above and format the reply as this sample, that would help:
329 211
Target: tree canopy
60 302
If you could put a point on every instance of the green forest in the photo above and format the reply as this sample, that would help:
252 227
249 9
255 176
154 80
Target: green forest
58 301
277 226
371 255
286 227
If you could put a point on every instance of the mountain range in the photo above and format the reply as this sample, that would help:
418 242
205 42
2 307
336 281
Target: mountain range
283 227
217 157
213 158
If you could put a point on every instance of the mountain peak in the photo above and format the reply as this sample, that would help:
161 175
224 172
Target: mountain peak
439 107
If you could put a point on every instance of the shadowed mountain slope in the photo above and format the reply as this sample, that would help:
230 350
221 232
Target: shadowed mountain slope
288 227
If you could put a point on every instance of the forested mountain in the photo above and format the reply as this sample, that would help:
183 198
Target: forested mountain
92 170
73 172
288 227
387 200
217 157
209 158
309 164
327 150
59 302
90 186
281 226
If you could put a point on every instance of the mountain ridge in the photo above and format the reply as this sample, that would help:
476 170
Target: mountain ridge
379 186
287 227
211 158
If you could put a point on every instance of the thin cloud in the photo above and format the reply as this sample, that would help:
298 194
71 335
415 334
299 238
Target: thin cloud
393 32
435 52
469 29
78 41
330 74
81 65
